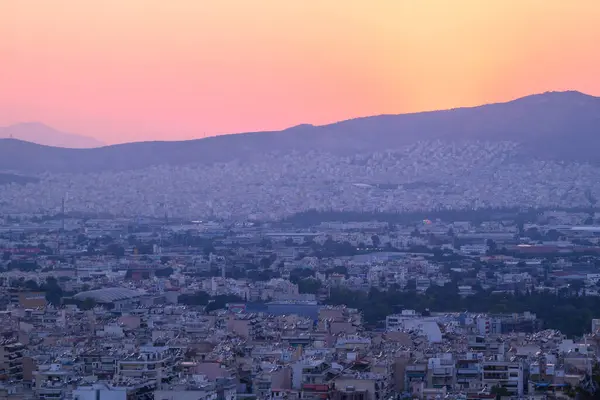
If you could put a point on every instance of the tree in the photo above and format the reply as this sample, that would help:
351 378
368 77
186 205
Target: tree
553 235
298 274
163 272
32 285
81 239
106 240
208 249
500 392
492 246
338 269
23 265
411 285
575 287
87 304
266 243
309 285
266 262
521 227
197 299
376 241
308 240
220 302
165 259
145 249
534 234
262 276
115 250
54 292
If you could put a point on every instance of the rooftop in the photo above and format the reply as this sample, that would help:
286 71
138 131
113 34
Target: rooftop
108 295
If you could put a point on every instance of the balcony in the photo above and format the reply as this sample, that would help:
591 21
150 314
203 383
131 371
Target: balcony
321 388
443 371
495 376
468 371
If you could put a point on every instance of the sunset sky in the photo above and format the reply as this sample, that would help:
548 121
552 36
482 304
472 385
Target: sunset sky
132 70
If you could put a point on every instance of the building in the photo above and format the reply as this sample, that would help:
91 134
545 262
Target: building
119 299
107 391
361 386
196 387
441 372
26 299
11 359
303 308
52 382
152 363
505 374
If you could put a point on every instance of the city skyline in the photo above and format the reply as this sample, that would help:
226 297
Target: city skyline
124 71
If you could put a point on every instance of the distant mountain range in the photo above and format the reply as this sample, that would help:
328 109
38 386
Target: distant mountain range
553 125
42 134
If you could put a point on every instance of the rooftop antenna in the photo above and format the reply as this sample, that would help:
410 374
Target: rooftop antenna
62 212
166 213
62 216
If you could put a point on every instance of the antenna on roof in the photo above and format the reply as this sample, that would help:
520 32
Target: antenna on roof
62 225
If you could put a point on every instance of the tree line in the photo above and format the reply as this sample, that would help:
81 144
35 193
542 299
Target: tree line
568 312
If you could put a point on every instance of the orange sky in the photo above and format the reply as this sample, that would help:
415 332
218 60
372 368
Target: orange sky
130 70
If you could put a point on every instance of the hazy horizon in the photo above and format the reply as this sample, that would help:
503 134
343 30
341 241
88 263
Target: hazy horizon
124 71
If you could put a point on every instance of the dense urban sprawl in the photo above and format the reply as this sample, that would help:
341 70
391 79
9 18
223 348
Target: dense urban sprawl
147 308
423 176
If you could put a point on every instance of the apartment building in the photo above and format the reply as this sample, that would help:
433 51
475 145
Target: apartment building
505 374
468 371
441 372
360 386
149 363
11 359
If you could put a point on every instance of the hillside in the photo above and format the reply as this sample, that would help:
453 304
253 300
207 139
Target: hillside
553 125
6 179
45 135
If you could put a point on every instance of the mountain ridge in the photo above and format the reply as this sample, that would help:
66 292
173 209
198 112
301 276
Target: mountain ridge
39 133
556 125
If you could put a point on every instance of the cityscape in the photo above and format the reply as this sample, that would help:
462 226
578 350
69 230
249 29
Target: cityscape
299 200
419 177
496 303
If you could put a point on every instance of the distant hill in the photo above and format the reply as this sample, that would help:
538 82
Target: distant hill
553 125
6 179
42 134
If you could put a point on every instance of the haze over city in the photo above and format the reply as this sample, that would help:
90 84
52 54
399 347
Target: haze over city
139 70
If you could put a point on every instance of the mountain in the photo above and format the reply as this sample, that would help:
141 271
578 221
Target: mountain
42 134
553 125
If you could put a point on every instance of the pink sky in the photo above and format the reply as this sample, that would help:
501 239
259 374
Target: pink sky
131 70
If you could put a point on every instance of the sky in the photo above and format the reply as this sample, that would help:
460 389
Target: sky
134 70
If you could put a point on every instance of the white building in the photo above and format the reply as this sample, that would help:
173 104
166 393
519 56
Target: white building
508 375
101 391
